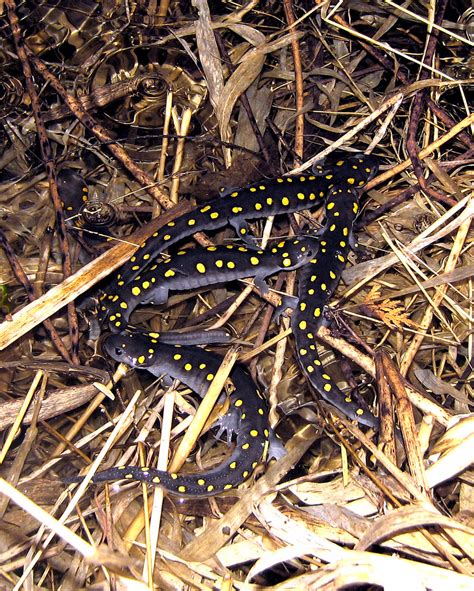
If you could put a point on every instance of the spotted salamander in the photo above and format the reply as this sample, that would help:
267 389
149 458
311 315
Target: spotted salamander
199 267
73 191
247 417
318 281
262 199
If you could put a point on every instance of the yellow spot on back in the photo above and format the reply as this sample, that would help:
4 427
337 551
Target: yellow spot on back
201 268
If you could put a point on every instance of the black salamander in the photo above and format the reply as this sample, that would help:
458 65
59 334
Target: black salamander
247 417
262 199
200 267
318 281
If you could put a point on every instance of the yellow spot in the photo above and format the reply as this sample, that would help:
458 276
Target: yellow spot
341 258
188 367
289 179
325 376
254 433
177 356
253 189
327 387
243 231
146 257
167 237
287 262
317 362
245 445
342 244
302 306
141 359
201 481
233 465
339 162
182 489
324 286
317 312
202 366
280 180
330 206
269 201
332 227
156 480
254 260
135 268
332 274
313 278
228 486
133 259
234 194
285 201
359 412
311 291
245 474
171 224
302 325
146 284
303 352
136 291
170 273
211 248
231 265
345 231
301 196
123 305
214 215
238 403
237 209
258 206
201 268
351 180
310 369
205 208
355 207
219 263
261 412
154 335
210 377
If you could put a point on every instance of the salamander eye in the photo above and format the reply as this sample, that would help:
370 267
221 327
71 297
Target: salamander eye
119 351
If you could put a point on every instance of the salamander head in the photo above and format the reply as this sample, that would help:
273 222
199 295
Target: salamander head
133 348
354 170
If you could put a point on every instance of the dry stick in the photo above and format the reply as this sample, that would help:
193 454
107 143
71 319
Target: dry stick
47 156
295 48
280 350
417 113
437 298
407 422
22 278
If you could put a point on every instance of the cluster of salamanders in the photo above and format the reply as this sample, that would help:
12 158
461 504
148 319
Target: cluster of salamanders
142 280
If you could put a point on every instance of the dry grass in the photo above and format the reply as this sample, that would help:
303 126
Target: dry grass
338 510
